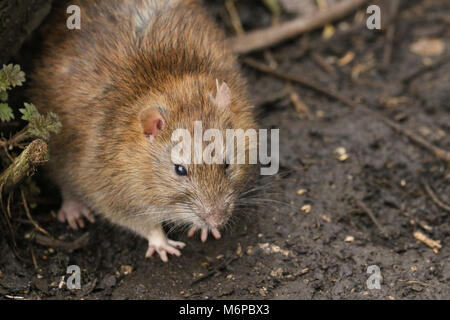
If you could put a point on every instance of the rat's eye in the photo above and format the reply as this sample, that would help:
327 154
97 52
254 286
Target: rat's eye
180 170
227 165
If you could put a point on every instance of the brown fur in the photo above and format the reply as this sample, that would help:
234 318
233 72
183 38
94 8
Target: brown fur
98 80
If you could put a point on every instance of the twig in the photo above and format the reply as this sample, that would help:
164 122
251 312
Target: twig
372 217
55 243
6 215
438 152
301 108
434 197
19 137
433 244
33 258
234 16
319 59
260 39
27 211
298 79
35 154
8 228
14 297
6 159
413 282
389 43
425 68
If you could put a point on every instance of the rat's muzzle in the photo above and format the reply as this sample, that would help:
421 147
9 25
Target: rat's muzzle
216 216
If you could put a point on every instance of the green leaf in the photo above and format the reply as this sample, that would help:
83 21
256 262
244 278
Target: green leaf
29 112
53 123
6 113
11 76
38 125
3 96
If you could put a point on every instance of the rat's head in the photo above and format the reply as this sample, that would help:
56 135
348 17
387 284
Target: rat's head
190 175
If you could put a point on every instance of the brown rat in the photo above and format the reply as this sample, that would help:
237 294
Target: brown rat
136 71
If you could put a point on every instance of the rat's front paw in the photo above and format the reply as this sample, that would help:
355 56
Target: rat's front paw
74 213
158 242
204 234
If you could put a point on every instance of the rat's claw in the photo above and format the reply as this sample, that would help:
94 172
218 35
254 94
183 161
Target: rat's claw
204 233
158 242
171 247
192 231
74 212
176 244
216 234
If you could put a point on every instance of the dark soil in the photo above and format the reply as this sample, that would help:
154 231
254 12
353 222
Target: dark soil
282 251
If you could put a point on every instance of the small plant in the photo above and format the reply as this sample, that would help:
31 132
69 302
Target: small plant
39 126
31 142
38 129
10 76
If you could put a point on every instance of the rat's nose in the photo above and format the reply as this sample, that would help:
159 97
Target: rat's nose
213 219
216 214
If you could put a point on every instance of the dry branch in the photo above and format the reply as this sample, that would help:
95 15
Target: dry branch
17 139
55 243
421 70
34 155
264 38
298 79
427 240
438 152
29 216
435 198
370 213
387 54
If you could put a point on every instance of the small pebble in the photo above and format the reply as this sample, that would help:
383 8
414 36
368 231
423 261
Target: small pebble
349 239
306 208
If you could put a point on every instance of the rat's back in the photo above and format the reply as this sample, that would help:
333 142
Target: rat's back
116 39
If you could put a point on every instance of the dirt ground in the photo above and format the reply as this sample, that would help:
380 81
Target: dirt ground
316 243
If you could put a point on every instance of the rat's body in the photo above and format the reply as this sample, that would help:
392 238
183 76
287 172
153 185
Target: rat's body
136 71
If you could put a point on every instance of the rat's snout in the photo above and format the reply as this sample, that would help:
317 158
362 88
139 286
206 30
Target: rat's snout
216 216
214 220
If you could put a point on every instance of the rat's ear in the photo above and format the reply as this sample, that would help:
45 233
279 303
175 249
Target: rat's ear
152 121
223 95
